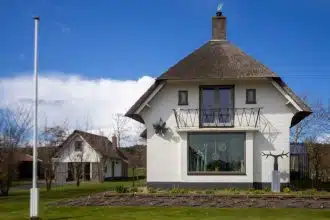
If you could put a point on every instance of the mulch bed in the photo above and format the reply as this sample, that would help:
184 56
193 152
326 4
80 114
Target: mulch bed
217 201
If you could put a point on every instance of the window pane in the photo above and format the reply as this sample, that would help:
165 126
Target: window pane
183 97
217 106
250 95
216 152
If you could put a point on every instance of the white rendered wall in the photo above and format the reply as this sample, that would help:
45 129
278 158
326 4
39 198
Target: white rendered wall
68 153
166 156
117 169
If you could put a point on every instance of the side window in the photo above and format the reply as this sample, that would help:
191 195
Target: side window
78 146
251 96
183 97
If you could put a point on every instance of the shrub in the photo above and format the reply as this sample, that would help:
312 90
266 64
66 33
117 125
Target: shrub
134 189
233 190
312 191
209 191
286 190
151 190
258 191
176 190
143 190
267 189
121 189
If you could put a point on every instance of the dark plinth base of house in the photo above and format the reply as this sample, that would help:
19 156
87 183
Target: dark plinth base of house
208 185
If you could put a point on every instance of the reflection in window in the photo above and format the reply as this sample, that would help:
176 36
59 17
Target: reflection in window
222 152
217 106
251 96
183 98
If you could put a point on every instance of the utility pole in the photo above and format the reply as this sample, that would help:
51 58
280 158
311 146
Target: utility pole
34 192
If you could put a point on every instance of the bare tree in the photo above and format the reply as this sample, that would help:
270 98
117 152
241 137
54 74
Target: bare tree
300 131
314 125
15 126
77 158
50 139
79 167
314 151
120 128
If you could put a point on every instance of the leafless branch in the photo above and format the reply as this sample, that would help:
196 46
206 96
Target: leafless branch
15 128
120 128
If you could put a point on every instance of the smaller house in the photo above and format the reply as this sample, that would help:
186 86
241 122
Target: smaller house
92 157
25 166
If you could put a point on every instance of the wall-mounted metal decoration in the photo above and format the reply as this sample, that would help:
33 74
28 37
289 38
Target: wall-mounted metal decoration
160 127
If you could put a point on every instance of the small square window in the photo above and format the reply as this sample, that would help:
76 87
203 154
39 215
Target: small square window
183 98
78 146
251 96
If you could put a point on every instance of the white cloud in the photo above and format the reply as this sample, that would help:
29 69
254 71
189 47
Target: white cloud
324 138
73 98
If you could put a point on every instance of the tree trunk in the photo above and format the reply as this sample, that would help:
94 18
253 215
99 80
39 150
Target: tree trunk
48 179
4 188
133 169
6 183
78 174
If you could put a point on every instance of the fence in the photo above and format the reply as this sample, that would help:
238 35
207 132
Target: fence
304 173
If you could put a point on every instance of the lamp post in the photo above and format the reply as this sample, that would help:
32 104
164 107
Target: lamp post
34 191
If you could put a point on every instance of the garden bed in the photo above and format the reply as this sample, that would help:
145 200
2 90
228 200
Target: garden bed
198 200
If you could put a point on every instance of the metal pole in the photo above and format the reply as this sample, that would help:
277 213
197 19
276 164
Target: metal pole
34 193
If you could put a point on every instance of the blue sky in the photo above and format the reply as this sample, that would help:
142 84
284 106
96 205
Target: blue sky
129 39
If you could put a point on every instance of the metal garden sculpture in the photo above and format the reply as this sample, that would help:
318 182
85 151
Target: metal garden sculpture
276 185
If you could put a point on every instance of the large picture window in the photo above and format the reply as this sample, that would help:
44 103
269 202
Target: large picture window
216 153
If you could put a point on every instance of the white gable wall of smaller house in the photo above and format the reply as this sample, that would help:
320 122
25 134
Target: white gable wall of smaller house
68 153
167 156
113 172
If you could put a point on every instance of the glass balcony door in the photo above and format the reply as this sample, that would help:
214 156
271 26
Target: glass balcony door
217 106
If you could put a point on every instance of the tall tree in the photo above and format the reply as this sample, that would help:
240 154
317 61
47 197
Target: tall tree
313 126
50 138
121 128
15 128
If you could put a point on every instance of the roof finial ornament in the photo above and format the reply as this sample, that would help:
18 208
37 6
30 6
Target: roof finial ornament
219 9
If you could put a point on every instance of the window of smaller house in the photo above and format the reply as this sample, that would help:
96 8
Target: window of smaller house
78 146
183 98
105 168
251 96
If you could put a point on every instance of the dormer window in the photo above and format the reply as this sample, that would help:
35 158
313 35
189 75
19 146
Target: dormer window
183 97
78 146
251 96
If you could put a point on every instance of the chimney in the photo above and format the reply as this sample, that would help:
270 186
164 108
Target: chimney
219 25
114 141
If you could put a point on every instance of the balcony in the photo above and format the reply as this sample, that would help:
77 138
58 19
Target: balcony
218 118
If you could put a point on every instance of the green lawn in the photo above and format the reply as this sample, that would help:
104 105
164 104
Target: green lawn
16 206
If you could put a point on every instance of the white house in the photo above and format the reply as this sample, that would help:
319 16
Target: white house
97 157
222 109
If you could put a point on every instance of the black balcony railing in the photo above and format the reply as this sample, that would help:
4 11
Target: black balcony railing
219 117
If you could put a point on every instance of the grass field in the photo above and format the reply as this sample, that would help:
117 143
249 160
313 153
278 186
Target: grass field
16 206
